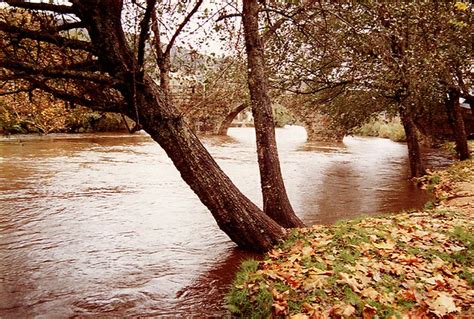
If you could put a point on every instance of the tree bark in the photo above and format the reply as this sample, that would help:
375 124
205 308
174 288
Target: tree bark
414 154
275 199
453 110
234 213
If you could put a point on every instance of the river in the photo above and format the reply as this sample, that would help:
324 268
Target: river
103 225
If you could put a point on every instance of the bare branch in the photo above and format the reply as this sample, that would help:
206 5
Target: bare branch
286 16
227 16
104 104
144 28
41 6
68 26
46 37
156 36
181 26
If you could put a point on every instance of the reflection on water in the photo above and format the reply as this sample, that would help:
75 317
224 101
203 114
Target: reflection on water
103 224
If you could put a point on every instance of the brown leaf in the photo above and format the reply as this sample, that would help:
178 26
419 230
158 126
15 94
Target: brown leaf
407 294
279 309
369 312
350 281
343 310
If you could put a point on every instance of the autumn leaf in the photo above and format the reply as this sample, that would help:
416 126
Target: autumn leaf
370 293
369 312
279 309
442 305
461 6
307 251
343 310
349 280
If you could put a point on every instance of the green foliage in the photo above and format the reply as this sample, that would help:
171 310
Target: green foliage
377 127
282 116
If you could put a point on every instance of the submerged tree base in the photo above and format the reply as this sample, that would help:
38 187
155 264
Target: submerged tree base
417 264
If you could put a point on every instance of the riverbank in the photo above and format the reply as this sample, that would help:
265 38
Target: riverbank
413 264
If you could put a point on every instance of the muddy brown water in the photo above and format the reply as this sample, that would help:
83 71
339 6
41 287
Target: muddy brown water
103 225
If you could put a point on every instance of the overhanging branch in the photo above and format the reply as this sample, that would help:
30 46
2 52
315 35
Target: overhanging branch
42 6
55 72
47 37
69 26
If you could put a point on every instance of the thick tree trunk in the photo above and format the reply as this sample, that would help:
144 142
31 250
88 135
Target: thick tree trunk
414 154
453 110
235 214
275 199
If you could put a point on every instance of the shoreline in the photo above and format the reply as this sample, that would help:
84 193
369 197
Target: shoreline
418 263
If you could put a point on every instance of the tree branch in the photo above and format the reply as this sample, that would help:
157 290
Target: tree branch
46 37
91 65
286 16
28 89
55 72
41 6
156 37
181 26
105 105
144 28
227 16
68 26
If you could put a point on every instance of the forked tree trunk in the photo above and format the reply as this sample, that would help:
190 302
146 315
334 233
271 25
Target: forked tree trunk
414 154
234 213
275 199
453 110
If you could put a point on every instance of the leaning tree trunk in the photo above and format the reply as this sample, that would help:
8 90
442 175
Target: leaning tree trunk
453 110
414 154
234 213
275 199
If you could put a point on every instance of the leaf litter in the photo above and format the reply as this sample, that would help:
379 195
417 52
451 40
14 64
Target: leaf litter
417 264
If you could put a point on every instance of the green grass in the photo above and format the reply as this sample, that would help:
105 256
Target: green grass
368 263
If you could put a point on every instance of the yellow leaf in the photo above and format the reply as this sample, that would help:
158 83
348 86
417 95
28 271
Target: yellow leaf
370 293
461 6
313 282
388 245
307 251
442 305
299 316
348 311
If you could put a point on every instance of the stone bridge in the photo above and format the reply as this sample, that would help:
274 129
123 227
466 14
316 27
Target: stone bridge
218 119
215 116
